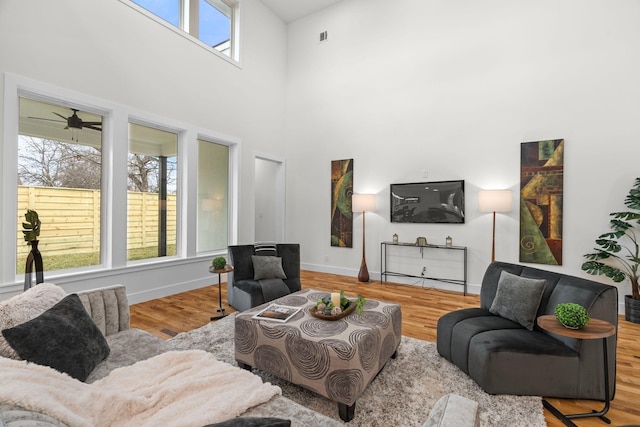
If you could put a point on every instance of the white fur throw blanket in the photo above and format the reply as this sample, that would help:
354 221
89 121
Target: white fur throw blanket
177 388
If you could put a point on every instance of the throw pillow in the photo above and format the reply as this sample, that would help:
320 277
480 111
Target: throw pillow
253 422
25 306
267 267
63 337
518 298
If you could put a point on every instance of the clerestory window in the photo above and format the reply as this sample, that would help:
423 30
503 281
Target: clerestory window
213 22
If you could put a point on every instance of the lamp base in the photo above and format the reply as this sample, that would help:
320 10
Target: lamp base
363 274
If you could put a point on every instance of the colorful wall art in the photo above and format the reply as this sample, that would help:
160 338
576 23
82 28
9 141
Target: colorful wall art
341 191
541 192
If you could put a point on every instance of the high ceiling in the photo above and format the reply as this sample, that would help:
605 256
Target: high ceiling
290 10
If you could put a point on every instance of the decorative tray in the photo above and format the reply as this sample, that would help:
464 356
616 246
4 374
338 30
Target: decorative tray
352 306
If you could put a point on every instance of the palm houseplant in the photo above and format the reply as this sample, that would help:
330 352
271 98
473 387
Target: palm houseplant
618 253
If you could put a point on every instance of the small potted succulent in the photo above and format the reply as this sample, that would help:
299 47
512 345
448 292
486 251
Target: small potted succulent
219 263
572 315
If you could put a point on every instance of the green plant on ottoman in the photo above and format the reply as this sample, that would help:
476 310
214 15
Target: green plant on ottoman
572 315
219 263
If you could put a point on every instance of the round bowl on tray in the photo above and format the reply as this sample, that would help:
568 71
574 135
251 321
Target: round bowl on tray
352 306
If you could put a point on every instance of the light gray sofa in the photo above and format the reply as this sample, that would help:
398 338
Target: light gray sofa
109 308
504 357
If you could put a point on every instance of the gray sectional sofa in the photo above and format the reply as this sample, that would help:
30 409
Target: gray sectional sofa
109 309
505 357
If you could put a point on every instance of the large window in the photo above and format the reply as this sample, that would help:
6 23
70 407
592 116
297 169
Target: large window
115 188
213 196
213 22
59 176
152 191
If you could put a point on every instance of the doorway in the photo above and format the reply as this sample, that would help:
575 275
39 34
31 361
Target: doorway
269 199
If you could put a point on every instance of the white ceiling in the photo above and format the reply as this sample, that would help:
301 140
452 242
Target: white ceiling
290 10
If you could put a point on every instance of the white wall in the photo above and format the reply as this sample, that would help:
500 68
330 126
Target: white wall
106 50
417 90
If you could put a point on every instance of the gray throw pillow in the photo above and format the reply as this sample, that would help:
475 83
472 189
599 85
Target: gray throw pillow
267 267
63 337
518 299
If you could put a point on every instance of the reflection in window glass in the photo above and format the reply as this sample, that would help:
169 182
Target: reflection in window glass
59 176
213 196
151 200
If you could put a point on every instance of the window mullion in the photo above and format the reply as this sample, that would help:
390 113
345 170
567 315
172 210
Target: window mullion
192 12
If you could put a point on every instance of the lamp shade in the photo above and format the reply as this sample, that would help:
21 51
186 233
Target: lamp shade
363 202
494 200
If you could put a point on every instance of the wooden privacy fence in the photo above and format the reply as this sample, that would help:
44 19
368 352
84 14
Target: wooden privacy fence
71 219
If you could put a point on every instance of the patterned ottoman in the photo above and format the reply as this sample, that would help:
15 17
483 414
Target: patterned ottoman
334 358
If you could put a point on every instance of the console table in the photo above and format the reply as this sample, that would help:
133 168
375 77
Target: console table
427 248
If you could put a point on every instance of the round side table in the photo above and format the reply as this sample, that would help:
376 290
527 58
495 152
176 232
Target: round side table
596 329
220 272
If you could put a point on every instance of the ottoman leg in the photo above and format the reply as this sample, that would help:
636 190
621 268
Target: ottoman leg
346 412
244 366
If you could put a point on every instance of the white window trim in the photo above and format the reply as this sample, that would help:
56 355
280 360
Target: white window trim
236 40
116 120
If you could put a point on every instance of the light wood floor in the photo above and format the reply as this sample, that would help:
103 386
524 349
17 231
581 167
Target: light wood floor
421 308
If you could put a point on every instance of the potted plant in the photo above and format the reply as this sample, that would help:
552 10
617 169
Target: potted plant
572 315
621 248
219 263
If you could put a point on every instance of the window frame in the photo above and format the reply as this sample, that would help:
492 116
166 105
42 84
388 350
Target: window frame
113 223
82 109
189 26
179 132
230 168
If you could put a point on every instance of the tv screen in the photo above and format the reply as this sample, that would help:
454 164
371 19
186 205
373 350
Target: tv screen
428 202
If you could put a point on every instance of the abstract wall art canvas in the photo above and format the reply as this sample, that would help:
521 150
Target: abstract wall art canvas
541 193
341 192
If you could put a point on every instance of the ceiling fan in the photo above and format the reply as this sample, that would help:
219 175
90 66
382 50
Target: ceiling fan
73 121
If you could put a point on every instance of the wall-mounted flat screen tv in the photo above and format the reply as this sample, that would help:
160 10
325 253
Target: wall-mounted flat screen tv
428 202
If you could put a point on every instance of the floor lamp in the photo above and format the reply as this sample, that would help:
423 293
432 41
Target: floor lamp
363 203
494 201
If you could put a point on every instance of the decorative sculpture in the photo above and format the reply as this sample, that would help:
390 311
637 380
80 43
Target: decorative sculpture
31 230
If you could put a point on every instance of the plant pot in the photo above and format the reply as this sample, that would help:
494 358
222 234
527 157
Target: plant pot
631 309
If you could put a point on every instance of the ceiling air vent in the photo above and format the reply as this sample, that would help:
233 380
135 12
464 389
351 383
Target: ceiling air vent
323 36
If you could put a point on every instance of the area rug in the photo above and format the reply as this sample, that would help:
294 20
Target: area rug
401 395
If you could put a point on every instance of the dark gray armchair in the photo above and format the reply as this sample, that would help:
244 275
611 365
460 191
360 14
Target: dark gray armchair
246 290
